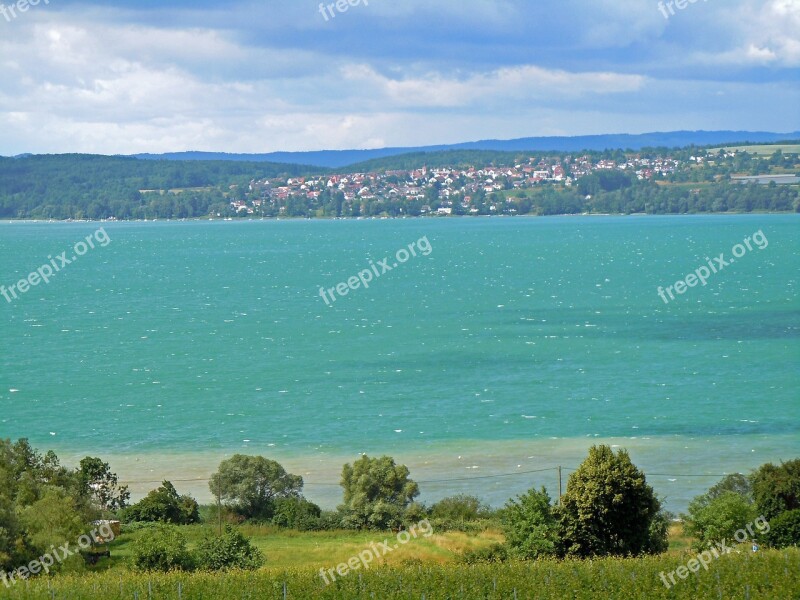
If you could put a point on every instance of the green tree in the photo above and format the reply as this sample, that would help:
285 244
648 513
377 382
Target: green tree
608 507
776 489
531 526
52 520
251 484
785 529
230 551
718 518
101 484
736 483
164 505
376 492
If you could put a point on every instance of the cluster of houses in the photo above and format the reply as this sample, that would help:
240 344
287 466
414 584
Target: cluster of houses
436 188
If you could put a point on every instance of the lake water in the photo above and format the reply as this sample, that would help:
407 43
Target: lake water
508 350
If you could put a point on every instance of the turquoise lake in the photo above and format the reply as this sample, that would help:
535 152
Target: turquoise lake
508 350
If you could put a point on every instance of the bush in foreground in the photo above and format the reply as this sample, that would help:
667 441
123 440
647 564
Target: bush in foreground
162 548
531 527
296 513
460 508
710 521
230 551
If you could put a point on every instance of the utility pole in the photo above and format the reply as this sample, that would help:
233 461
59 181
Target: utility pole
219 503
559 484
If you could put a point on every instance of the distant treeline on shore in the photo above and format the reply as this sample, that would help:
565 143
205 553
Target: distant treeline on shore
464 182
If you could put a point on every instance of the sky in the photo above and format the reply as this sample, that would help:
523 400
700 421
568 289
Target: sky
114 77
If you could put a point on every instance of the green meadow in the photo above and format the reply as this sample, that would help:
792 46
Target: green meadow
424 568
762 149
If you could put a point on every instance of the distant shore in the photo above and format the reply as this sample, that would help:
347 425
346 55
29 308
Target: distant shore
421 217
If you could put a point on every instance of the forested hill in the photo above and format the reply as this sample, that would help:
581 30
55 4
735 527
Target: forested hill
343 158
89 186
455 182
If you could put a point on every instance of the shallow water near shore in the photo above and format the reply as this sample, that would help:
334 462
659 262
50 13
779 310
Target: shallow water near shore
515 344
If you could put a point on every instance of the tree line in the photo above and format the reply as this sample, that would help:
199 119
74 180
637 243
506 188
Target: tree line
77 186
100 187
608 509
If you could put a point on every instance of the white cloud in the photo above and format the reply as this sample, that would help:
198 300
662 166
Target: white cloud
496 87
120 81
761 33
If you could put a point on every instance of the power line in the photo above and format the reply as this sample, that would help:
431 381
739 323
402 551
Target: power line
305 483
453 479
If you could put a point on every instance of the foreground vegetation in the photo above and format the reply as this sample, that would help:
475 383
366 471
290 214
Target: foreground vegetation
607 536
767 575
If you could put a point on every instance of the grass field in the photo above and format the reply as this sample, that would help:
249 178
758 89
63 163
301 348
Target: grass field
767 150
423 568
286 549
765 575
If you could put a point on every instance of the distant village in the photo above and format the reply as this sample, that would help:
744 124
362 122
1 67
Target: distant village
433 191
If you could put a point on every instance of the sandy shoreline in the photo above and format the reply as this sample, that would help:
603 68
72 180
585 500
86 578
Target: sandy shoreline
678 468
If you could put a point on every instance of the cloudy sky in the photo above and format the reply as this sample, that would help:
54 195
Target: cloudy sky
116 76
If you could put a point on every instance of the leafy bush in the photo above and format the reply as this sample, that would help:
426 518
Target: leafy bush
468 527
459 508
134 526
785 529
777 489
330 520
230 551
496 553
531 527
414 513
710 521
162 548
658 539
296 513
735 482
164 505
